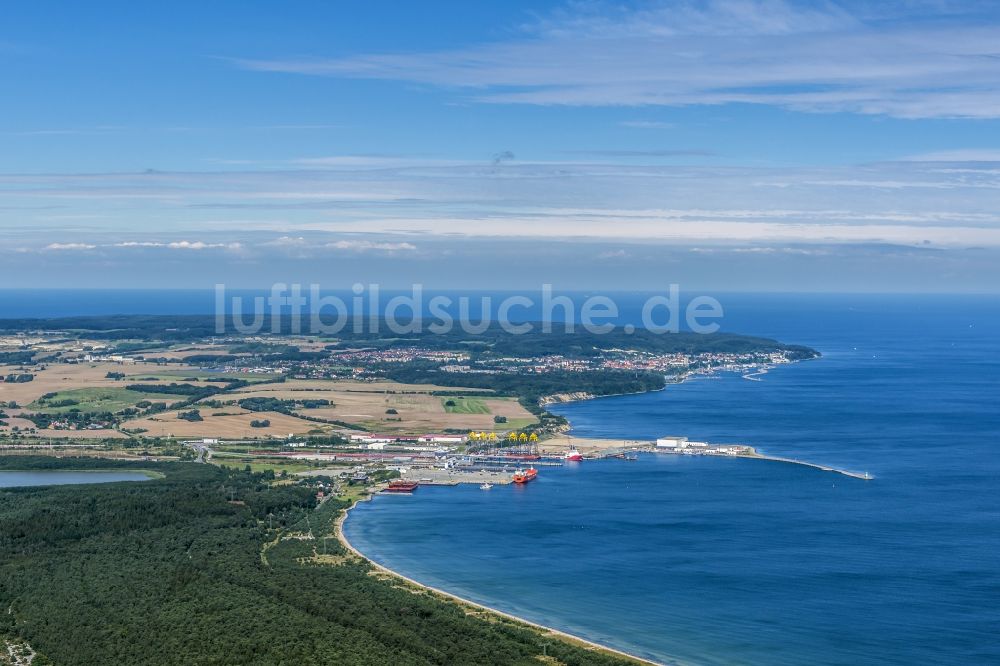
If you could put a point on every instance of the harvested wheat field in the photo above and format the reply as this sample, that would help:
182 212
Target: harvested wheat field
187 351
419 413
78 434
72 376
232 426
55 378
393 407
299 385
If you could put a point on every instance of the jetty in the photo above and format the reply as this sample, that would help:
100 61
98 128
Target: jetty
676 445
864 476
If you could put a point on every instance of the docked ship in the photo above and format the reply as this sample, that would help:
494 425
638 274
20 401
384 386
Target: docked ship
401 486
522 477
573 456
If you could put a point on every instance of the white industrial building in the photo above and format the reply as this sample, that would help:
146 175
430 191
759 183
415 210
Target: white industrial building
441 439
673 442
371 438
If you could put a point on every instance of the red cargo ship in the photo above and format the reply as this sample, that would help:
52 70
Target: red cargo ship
525 476
400 486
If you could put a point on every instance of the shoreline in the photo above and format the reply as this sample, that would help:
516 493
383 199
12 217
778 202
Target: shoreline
544 402
713 373
461 601
569 438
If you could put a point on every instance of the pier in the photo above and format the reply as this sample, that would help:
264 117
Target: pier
864 476
679 445
743 451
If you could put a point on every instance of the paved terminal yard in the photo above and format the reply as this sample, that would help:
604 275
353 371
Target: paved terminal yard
451 477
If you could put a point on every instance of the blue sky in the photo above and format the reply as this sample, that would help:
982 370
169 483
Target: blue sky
729 145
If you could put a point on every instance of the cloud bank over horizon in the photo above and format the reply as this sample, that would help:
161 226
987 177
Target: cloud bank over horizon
412 223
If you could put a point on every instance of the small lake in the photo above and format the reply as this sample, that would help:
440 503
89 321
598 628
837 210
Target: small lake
13 479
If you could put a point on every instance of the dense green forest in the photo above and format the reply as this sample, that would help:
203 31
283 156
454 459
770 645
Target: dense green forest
186 570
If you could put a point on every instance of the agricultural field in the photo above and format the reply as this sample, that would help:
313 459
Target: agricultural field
95 399
187 351
47 433
419 413
195 374
60 377
232 426
392 407
259 465
55 378
378 406
459 405
349 385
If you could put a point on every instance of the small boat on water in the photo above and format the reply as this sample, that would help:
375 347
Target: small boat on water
401 486
521 477
631 458
573 456
486 486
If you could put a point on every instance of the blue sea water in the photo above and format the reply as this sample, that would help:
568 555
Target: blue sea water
720 561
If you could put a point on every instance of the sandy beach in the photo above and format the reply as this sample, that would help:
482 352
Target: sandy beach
480 607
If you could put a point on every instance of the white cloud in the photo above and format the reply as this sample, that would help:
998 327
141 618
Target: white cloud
201 245
764 250
287 241
178 245
369 246
770 52
959 155
69 246
306 214
661 230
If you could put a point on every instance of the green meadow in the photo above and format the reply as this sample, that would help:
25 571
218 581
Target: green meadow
465 406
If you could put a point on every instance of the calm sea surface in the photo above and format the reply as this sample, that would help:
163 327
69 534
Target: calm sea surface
63 478
715 561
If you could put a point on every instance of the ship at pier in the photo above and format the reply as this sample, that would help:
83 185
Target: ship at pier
524 476
401 486
521 456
